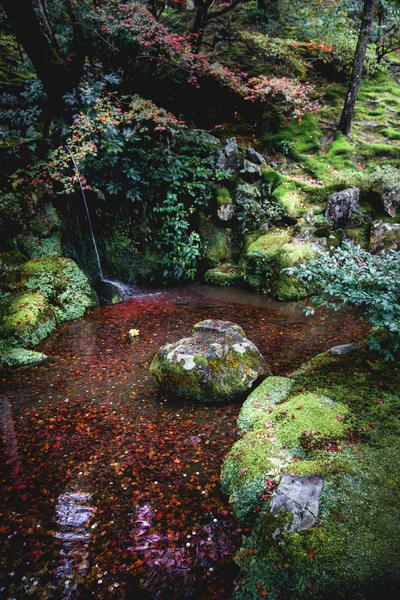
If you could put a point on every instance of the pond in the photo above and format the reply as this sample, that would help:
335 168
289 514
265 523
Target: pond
108 488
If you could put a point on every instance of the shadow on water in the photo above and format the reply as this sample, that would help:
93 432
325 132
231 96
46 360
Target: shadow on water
110 489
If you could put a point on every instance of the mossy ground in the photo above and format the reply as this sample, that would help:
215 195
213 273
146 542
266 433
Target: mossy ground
348 410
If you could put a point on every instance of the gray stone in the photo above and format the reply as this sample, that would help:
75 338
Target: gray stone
384 236
342 349
229 158
391 202
225 212
250 171
254 156
300 496
341 206
246 193
217 362
202 136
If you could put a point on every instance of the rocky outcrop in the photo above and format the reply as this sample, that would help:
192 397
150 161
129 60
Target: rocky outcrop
229 158
391 202
384 236
341 206
216 363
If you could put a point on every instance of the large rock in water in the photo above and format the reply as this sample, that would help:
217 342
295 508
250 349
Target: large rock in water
341 206
216 363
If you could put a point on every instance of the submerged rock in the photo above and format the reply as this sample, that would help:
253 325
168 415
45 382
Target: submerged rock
341 206
342 349
216 363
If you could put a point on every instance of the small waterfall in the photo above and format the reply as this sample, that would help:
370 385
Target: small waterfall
87 212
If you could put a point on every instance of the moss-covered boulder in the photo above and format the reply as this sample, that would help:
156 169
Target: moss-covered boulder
219 247
286 287
223 275
20 357
265 256
216 363
29 318
347 408
282 431
62 283
272 391
258 261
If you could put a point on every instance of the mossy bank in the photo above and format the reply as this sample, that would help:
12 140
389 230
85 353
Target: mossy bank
336 418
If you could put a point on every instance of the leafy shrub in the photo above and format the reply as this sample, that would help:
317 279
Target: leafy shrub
354 276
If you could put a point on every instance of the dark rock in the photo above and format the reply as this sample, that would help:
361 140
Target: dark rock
216 363
254 156
229 158
250 171
341 206
300 496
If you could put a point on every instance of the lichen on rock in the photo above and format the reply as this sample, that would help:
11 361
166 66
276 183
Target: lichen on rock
216 363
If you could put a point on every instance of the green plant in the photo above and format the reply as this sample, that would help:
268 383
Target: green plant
353 276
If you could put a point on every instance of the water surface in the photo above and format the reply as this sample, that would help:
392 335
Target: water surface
108 488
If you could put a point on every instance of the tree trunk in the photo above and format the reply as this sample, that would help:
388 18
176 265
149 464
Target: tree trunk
51 69
358 66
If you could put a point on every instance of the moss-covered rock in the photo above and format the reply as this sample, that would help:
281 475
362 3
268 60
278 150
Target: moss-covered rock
62 283
349 416
300 423
20 357
259 258
223 275
217 363
272 391
218 244
29 318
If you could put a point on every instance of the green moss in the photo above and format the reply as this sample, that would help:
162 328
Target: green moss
62 283
352 552
258 262
250 462
20 357
291 198
287 288
29 318
392 134
272 391
224 275
358 235
223 196
218 243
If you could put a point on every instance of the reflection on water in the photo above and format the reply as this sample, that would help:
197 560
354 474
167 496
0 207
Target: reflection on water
89 430
73 515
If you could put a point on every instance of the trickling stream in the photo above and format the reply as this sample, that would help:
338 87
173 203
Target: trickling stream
108 488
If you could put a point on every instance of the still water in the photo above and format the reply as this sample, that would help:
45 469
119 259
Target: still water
108 488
